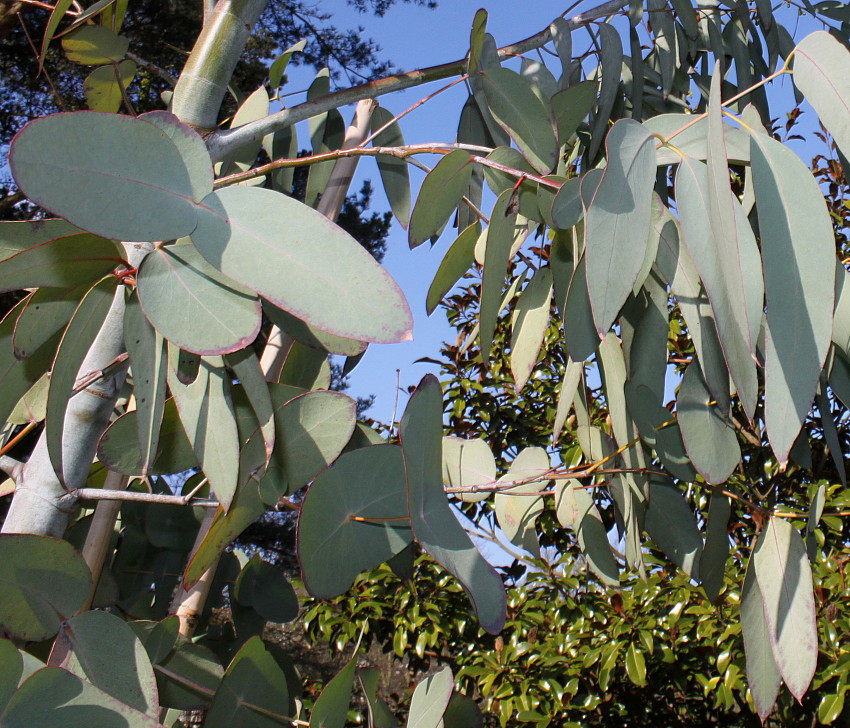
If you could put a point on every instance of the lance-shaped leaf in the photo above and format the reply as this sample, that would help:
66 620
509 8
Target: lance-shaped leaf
331 707
716 549
710 441
798 245
119 448
439 195
311 336
529 321
579 331
566 208
762 672
430 700
246 508
148 362
566 394
500 238
611 69
207 414
43 581
517 508
246 368
191 148
192 305
433 522
841 312
45 313
719 267
358 508
76 341
458 259
106 652
255 107
467 464
379 714
822 73
278 67
393 170
671 523
65 262
617 220
130 166
692 141
785 581
522 114
301 262
252 684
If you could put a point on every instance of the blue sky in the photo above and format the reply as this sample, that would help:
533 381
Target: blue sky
413 37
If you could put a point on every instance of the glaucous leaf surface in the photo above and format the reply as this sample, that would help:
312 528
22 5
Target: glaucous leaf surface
44 580
393 170
104 91
434 525
192 305
301 262
439 195
466 464
458 259
359 508
430 699
671 523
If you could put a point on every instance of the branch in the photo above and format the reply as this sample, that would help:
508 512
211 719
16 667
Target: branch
224 142
102 494
13 468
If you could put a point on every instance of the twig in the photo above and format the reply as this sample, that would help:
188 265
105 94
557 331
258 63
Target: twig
152 67
98 494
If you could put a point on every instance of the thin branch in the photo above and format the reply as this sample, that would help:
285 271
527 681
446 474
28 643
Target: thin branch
99 494
152 67
223 142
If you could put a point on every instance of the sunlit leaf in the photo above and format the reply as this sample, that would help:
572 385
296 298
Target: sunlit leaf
571 106
434 524
278 66
430 699
500 237
94 45
331 707
529 321
104 86
301 262
457 260
439 195
311 336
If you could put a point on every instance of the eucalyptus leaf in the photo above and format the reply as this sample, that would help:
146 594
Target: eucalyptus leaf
104 87
439 195
529 321
458 259
393 170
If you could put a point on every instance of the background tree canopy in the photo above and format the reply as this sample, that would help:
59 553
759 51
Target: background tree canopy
645 406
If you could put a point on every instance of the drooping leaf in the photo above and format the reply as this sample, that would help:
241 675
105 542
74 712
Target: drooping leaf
76 341
611 65
252 684
529 321
128 165
104 87
785 581
44 580
246 368
567 209
822 73
719 267
467 464
311 336
301 262
439 195
457 260
566 394
197 674
379 714
579 331
107 653
359 508
710 441
65 262
393 170
119 449
430 699
692 141
635 666
476 40
94 45
716 549
500 237
433 523
59 9
671 523
522 114
206 411
562 39
499 181
192 305
762 672
148 361
797 244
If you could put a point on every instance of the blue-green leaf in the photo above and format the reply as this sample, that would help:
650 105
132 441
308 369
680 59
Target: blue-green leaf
500 238
458 259
393 170
440 194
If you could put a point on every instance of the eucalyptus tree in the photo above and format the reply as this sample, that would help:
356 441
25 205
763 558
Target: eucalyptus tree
610 171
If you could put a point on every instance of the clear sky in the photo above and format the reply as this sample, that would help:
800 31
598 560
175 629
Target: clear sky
413 37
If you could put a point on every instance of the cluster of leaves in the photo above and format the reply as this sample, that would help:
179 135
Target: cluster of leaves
735 291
